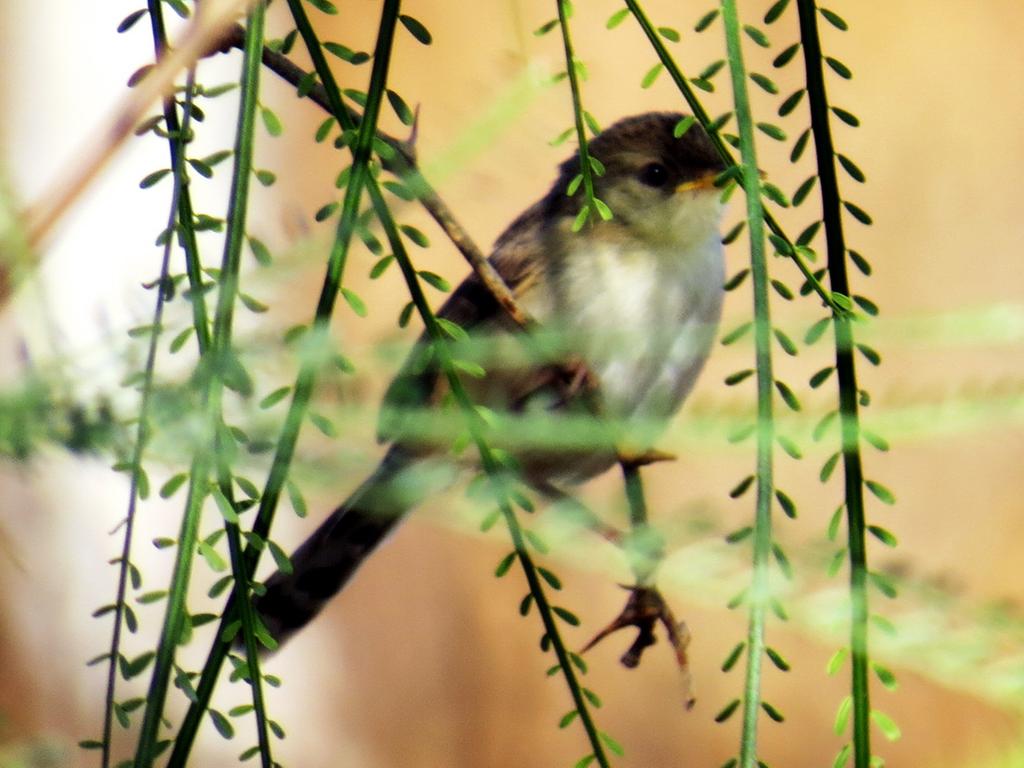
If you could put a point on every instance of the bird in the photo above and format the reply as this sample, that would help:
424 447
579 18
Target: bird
633 301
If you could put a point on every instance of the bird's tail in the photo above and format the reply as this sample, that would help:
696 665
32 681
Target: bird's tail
325 562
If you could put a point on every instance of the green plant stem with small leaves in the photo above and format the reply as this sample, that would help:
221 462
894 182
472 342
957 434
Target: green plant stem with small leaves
590 204
222 333
847 382
212 362
185 226
702 117
493 470
303 389
142 432
434 331
758 595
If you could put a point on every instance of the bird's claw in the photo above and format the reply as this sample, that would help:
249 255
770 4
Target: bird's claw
644 609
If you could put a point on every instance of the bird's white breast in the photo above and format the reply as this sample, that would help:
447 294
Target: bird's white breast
642 316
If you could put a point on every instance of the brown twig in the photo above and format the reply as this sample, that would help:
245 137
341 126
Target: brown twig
402 164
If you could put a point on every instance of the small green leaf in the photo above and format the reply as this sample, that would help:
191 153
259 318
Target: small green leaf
851 168
883 535
271 122
705 21
415 235
882 493
567 718
772 712
765 82
296 499
253 305
354 301
777 9
611 743
786 56
799 146
741 487
756 35
402 110
566 615
804 189
736 334
326 211
652 75
843 715
847 117
870 354
260 252
739 535
790 447
169 488
786 503
884 584
785 342
885 676
857 212
683 126
345 53
546 27
616 18
733 657
726 712
274 397
553 581
505 564
777 659
323 424
435 280
736 280
787 395
886 725
772 130
735 378
129 21
220 722
416 29
821 376
834 19
839 68
152 178
836 662
670 34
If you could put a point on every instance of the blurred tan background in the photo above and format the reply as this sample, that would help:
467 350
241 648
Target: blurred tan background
425 661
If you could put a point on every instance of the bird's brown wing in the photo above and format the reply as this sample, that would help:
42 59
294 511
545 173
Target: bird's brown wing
419 383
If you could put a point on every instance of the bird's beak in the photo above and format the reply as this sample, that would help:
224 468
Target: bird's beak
703 182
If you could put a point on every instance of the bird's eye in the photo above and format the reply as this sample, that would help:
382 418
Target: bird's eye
654 175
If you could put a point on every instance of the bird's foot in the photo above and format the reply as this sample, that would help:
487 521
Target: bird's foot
644 609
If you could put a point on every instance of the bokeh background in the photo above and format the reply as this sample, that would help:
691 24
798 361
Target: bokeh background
424 660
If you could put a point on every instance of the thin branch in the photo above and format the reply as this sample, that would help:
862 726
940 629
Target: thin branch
758 598
404 165
847 378
305 380
205 28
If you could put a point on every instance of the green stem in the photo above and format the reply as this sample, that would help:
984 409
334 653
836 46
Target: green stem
178 139
702 117
577 105
306 378
211 361
493 471
765 381
847 381
223 320
141 438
